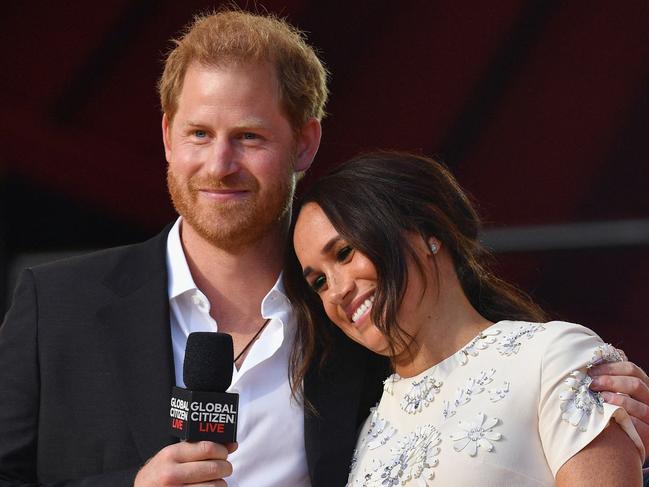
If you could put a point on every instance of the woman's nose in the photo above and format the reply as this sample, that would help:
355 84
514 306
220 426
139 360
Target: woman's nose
340 288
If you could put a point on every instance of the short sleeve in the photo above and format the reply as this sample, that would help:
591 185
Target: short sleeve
570 414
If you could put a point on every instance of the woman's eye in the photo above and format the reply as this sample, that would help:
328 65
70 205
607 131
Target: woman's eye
317 283
344 253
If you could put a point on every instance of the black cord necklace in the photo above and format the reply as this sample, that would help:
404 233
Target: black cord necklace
251 341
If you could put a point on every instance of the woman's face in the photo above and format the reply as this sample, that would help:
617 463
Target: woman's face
346 280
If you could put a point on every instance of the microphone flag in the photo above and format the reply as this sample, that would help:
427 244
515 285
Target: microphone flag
204 411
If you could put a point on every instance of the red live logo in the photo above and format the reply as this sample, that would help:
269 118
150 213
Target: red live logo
177 423
211 427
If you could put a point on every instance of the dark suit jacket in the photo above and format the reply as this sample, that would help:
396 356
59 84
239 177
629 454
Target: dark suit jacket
86 370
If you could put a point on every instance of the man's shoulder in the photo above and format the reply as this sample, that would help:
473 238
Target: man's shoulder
147 256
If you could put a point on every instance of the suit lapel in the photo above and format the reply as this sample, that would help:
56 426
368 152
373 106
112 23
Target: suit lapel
335 392
135 329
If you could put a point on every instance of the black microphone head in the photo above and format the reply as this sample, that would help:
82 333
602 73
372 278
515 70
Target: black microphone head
209 358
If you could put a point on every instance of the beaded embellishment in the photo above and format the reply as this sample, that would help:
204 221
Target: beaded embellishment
511 343
421 394
413 458
475 434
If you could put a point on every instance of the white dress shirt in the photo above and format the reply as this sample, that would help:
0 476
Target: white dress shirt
271 424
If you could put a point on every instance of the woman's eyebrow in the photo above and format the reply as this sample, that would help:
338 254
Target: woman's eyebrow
325 250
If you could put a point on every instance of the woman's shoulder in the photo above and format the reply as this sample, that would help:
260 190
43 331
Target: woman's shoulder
551 332
569 344
554 327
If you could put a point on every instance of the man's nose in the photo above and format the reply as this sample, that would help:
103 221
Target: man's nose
222 159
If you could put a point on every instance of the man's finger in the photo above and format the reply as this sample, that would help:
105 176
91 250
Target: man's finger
631 386
205 471
643 431
216 483
192 452
619 368
635 408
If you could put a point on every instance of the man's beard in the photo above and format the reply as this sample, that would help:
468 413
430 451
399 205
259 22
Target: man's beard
234 224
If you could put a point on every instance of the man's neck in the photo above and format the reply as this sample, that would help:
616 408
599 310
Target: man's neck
235 282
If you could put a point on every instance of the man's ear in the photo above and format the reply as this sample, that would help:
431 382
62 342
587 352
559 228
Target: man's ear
308 141
166 136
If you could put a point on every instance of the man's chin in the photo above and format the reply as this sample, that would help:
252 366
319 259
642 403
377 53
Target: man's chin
221 232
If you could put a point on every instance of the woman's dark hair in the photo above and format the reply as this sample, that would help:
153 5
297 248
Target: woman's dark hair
373 201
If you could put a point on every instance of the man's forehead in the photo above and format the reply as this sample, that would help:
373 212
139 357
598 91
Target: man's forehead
265 82
247 121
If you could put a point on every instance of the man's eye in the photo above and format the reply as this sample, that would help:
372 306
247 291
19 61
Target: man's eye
249 136
318 283
200 134
344 253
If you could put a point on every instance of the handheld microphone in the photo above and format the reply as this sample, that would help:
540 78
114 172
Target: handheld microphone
204 411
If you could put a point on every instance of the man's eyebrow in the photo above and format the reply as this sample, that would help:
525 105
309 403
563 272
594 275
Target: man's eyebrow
192 123
250 122
325 250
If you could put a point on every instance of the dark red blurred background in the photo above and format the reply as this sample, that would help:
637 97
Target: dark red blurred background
541 108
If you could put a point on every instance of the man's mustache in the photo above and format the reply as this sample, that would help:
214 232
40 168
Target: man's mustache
228 183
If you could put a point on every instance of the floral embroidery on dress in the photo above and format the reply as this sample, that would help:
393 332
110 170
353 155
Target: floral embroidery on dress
578 401
604 354
414 459
421 394
476 434
499 393
481 342
379 432
476 386
447 410
463 395
388 384
510 344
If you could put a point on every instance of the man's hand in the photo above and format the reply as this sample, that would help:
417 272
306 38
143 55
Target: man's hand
200 464
625 384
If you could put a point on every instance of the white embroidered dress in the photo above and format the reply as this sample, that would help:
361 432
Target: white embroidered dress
508 409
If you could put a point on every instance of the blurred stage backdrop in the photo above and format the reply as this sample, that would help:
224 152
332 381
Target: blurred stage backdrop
541 108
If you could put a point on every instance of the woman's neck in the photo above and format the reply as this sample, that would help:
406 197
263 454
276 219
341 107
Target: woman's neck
450 323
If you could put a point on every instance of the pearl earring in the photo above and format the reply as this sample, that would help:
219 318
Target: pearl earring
434 247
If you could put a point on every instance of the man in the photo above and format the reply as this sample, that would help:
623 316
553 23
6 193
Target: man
97 342
92 346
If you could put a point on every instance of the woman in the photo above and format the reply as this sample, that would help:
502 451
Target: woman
484 392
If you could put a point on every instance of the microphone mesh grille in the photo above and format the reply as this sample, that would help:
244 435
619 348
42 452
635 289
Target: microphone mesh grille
208 362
